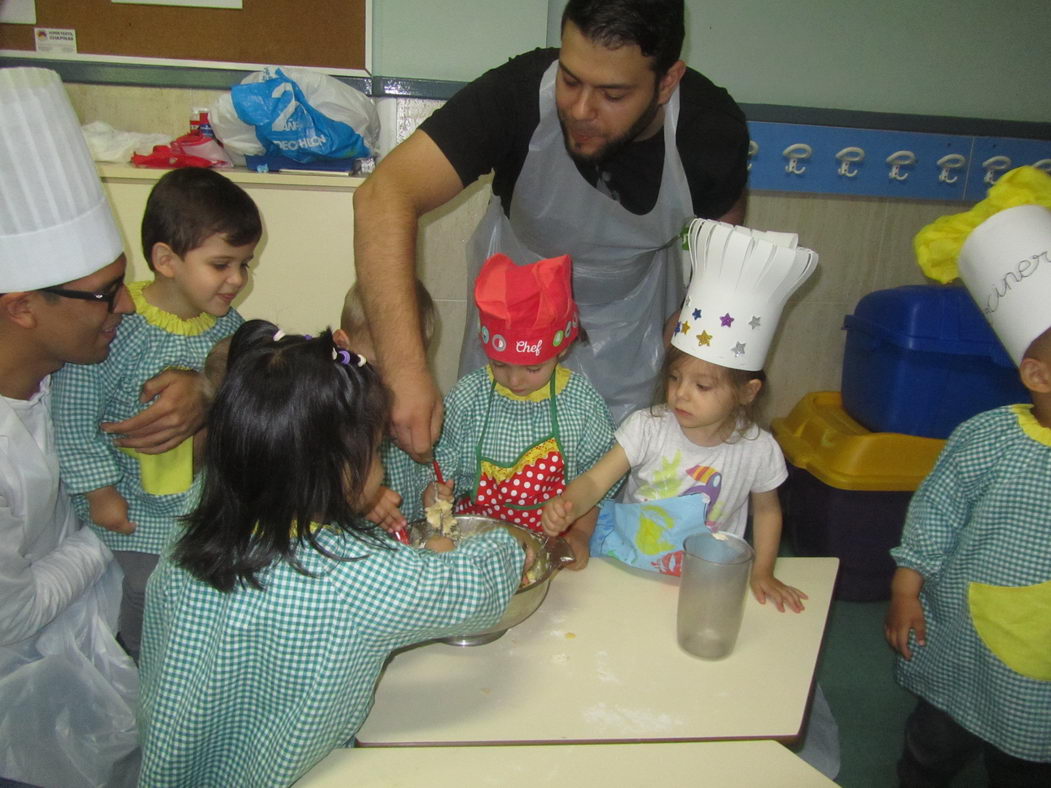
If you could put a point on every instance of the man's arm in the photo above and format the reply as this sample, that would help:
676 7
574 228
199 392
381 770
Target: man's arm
411 180
33 592
736 213
182 400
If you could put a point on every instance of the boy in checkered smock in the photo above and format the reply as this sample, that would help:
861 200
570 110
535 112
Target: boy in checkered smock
268 624
199 232
517 430
970 611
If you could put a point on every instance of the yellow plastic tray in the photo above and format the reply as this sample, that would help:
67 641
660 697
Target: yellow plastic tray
821 438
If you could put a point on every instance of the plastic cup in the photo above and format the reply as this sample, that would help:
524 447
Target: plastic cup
712 593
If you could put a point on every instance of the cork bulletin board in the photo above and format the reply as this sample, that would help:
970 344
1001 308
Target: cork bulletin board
319 33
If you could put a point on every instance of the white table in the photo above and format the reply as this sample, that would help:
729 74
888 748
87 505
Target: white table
598 662
731 764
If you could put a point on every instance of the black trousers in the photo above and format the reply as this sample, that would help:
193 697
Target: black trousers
937 747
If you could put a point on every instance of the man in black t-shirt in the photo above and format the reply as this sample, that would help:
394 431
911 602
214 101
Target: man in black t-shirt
602 149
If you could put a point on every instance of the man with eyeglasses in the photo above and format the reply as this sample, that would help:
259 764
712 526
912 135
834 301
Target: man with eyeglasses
62 297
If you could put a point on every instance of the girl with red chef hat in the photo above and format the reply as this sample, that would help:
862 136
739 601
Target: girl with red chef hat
520 428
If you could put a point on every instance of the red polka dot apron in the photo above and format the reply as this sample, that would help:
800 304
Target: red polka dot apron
517 492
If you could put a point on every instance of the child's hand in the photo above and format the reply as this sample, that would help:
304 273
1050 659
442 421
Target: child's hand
904 614
384 510
769 587
557 516
436 491
109 509
579 543
530 559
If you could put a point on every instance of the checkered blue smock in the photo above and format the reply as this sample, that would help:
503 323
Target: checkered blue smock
84 395
512 425
979 531
254 687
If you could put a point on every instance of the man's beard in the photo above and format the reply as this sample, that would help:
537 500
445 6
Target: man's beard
610 149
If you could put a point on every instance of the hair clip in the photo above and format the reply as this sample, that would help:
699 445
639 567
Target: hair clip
279 334
346 358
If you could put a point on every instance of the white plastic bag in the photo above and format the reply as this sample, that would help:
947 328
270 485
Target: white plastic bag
336 100
109 144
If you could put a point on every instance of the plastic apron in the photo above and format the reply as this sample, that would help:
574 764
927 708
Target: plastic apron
517 493
627 276
67 693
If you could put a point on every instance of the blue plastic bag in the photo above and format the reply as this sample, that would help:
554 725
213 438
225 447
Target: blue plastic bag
649 535
287 124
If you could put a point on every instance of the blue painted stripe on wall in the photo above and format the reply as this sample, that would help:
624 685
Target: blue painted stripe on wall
799 157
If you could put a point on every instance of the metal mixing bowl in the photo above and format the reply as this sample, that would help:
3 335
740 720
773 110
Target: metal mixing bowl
551 555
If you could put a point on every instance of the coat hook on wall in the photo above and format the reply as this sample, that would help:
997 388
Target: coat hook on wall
847 157
753 150
1043 164
897 160
993 167
949 162
795 153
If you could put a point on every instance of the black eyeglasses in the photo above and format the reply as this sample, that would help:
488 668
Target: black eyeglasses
107 296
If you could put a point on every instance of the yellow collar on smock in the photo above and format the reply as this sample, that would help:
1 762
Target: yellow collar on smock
173 324
561 379
1030 426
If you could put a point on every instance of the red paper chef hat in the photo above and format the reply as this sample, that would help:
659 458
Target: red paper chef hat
527 312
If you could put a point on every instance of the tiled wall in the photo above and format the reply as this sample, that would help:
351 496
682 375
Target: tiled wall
864 243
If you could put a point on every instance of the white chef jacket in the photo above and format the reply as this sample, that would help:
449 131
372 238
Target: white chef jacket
67 690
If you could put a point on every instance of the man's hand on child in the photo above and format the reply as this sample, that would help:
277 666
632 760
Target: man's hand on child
109 509
768 587
177 412
557 516
904 615
384 510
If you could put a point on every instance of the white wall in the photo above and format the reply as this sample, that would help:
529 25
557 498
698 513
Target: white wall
965 58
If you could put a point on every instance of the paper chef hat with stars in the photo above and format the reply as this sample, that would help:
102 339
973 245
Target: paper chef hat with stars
741 281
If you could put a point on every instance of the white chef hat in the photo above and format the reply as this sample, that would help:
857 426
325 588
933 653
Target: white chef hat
1006 264
1001 249
741 281
55 222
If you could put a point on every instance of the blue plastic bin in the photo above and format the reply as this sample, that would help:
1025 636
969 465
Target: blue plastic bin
921 359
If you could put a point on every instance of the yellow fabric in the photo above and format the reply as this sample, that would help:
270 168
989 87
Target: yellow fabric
168 473
1030 426
1014 622
561 379
501 474
654 523
173 324
938 244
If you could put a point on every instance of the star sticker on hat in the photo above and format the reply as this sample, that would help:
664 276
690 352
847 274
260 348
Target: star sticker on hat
704 338
726 320
697 314
755 322
738 349
686 328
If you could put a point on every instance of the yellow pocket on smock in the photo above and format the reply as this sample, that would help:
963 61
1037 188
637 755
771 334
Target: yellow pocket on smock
1014 622
166 474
